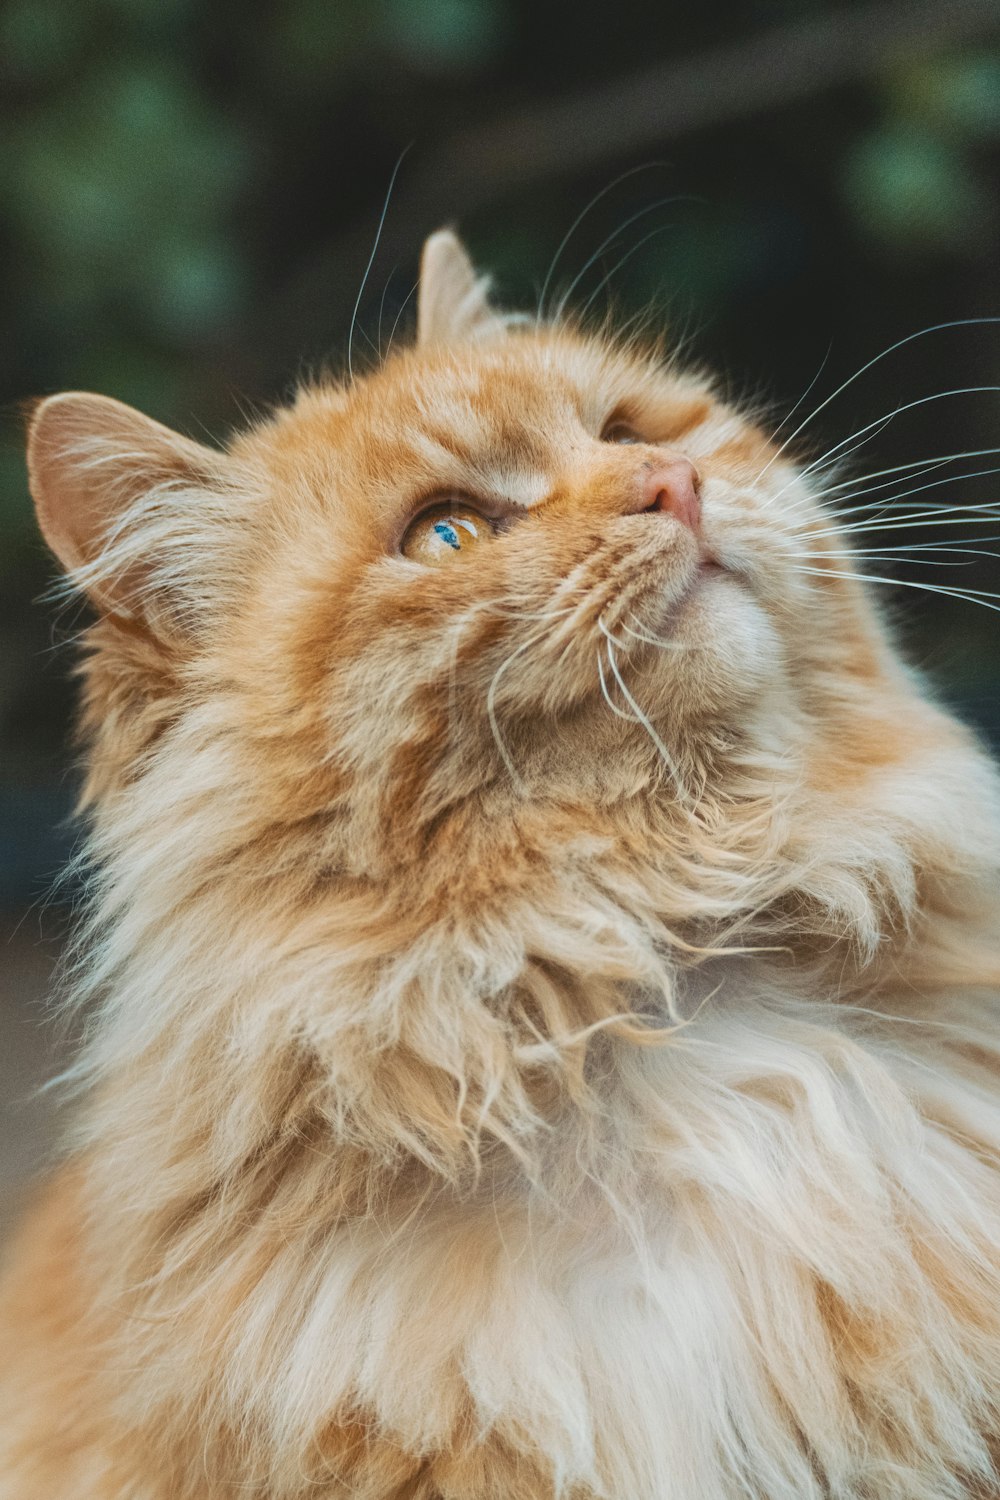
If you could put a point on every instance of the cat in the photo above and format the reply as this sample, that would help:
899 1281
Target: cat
543 968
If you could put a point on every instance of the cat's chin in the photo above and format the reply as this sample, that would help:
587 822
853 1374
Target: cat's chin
669 609
719 649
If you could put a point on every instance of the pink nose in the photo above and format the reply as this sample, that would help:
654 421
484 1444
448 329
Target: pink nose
672 486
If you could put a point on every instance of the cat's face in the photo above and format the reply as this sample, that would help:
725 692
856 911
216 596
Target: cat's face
506 555
511 567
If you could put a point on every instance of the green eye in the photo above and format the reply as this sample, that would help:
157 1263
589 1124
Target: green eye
443 533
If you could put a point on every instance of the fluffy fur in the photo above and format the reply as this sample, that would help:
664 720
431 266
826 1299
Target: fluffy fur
542 1029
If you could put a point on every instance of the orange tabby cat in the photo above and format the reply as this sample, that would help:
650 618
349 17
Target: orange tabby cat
544 964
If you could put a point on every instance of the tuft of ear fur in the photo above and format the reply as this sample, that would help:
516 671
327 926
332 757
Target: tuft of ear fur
112 489
454 301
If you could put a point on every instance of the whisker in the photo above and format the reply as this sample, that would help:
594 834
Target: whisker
790 414
876 511
849 490
899 344
953 544
958 515
381 308
894 554
972 596
609 633
491 713
371 258
829 459
651 640
871 429
632 219
510 610
667 758
948 546
889 509
660 229
895 501
399 314
860 485
654 640
607 696
644 167
959 390
914 465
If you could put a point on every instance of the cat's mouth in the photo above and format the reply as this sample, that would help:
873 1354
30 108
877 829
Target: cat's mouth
706 571
665 608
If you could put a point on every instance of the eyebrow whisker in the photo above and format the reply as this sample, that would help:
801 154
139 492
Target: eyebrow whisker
371 259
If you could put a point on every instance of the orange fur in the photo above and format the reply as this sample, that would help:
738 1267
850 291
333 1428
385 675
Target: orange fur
543 1034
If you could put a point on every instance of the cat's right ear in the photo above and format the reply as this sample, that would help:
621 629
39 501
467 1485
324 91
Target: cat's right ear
453 301
112 489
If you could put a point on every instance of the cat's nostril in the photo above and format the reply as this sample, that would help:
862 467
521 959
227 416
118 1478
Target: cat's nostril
673 488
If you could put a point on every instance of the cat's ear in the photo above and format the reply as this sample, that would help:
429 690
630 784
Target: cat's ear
115 493
453 303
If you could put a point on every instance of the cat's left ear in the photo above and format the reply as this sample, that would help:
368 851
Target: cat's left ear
132 510
453 303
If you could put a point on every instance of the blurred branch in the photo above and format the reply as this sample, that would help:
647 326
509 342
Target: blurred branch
645 111
674 99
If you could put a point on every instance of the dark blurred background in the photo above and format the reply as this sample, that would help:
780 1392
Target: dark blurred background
189 194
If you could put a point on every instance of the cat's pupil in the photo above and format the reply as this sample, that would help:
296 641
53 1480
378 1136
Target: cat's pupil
447 533
436 535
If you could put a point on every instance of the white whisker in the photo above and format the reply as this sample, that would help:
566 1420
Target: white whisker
896 501
894 554
956 544
667 758
972 596
371 258
607 696
958 515
925 465
899 344
509 610
654 640
860 485
840 450
491 713
832 457
849 497
648 208
381 308
399 314
595 200
790 414
613 271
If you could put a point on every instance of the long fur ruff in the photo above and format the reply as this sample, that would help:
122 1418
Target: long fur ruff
504 1079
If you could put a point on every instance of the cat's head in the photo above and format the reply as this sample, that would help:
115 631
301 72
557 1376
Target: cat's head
463 709
516 583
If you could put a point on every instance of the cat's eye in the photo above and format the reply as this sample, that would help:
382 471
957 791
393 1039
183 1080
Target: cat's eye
617 431
445 532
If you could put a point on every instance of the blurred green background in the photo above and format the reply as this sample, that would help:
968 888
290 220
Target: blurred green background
189 194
